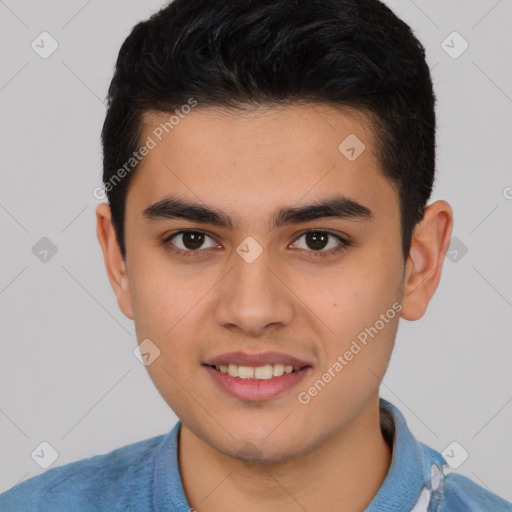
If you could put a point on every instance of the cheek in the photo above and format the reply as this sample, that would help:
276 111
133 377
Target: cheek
348 300
161 296
167 302
359 311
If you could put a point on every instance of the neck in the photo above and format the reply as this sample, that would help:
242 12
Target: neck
345 471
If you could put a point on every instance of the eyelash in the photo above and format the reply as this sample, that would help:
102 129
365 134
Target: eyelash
344 244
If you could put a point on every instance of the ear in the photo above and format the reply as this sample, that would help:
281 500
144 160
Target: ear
430 241
114 262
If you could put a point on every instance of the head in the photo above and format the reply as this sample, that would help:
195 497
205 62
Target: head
251 124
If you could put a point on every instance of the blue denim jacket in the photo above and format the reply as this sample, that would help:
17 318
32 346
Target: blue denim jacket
144 476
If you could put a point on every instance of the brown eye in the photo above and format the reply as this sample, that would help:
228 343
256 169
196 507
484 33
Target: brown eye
190 241
317 240
319 243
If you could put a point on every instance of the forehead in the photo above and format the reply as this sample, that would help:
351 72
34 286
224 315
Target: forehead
268 157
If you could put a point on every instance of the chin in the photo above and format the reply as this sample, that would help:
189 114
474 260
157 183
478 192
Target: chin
251 453
255 448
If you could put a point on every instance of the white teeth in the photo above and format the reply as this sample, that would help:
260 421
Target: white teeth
278 370
259 372
262 372
246 372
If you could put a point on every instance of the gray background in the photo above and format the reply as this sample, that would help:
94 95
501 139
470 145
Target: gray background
68 373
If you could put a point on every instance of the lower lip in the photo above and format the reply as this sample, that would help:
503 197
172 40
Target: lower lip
256 389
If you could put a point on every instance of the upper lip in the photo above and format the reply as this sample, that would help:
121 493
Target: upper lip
258 359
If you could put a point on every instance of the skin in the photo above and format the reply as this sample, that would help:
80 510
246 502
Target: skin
193 308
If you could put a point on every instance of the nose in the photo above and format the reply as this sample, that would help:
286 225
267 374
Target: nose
253 298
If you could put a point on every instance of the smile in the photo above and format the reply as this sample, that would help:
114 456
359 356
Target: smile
256 383
265 372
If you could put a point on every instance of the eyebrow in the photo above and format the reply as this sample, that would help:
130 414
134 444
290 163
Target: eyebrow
339 207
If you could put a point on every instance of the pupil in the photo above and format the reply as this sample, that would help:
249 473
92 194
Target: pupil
193 240
316 239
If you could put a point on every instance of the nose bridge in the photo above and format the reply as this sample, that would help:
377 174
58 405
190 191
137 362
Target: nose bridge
252 298
252 279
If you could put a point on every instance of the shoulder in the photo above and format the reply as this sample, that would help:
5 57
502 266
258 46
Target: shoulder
104 482
462 493
421 476
452 492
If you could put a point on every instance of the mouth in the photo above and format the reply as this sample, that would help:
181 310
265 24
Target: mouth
256 377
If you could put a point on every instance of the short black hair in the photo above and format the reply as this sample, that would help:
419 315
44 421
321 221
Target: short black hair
244 54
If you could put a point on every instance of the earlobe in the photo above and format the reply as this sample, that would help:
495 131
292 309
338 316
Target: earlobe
114 262
430 242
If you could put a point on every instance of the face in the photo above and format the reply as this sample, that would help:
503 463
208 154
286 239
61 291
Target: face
317 292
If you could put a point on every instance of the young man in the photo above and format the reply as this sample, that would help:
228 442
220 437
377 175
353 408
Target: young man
268 166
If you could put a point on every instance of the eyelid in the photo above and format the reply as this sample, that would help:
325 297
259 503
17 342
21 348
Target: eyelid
339 237
170 237
344 242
